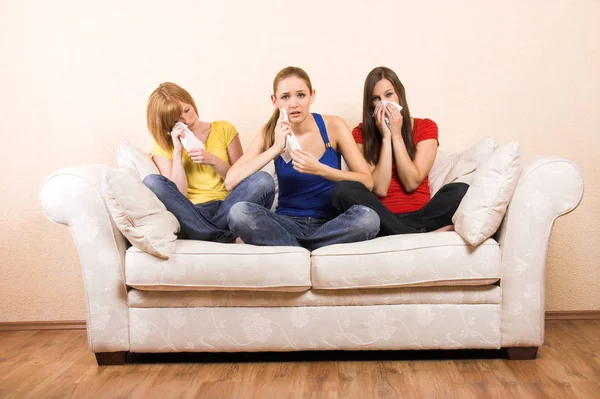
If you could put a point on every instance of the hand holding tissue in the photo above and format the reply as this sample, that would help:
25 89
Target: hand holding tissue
189 140
383 103
291 142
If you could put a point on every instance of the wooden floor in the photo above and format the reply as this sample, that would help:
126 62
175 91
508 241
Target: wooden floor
45 364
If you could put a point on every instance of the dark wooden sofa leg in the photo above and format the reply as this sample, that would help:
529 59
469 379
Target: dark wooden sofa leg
111 358
522 353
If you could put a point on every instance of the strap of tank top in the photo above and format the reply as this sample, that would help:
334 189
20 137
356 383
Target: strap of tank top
322 129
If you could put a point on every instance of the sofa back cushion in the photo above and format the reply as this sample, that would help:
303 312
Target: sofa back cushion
468 160
131 157
441 166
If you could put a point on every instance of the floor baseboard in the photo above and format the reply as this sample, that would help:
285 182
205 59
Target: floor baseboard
43 325
573 315
81 325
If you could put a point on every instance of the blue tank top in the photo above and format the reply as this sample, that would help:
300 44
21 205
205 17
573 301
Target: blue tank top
304 195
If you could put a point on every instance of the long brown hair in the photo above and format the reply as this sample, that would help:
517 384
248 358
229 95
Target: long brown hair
269 128
371 136
164 108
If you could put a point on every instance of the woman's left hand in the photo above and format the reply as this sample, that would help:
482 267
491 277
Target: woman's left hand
395 118
201 156
305 162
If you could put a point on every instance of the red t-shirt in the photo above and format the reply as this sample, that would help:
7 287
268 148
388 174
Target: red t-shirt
397 199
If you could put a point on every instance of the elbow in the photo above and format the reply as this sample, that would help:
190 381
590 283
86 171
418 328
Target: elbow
379 193
231 179
410 187
229 184
380 190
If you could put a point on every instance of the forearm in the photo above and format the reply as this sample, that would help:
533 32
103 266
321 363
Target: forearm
405 167
178 174
242 169
220 166
336 175
382 173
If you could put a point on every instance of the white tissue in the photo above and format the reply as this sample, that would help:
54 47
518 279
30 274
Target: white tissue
291 143
383 103
189 140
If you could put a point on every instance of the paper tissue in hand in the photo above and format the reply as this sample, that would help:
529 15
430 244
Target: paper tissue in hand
291 143
189 140
383 103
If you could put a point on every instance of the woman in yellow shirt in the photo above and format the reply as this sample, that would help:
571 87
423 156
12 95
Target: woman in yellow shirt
191 182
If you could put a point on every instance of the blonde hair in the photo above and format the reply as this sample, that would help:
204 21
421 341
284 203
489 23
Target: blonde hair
269 128
164 108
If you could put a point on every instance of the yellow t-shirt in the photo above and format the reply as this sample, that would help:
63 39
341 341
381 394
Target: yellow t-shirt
204 183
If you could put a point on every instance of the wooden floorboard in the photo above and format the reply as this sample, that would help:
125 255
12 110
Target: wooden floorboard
58 364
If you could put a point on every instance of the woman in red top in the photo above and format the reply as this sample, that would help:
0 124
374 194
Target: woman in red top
400 151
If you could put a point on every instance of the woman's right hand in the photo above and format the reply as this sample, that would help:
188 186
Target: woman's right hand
176 134
380 115
282 130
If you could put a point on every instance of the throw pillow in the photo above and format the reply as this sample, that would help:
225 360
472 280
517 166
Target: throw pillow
129 156
469 159
138 213
483 207
443 162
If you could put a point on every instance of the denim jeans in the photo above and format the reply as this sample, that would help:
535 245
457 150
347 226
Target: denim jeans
256 225
208 221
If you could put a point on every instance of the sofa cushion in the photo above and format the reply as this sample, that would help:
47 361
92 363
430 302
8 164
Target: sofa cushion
137 213
131 157
483 207
203 265
410 260
469 159
441 166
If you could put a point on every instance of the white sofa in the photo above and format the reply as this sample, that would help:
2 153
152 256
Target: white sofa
418 291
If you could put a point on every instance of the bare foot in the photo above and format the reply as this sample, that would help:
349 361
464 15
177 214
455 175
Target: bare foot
238 240
445 228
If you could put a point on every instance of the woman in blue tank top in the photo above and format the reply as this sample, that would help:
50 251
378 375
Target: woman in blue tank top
304 215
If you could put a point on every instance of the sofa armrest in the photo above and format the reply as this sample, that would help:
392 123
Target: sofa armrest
72 197
547 188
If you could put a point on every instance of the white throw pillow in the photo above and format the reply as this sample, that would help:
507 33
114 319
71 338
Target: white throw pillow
469 159
443 162
483 207
129 156
138 213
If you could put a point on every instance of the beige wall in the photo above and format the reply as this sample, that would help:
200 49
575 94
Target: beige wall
75 77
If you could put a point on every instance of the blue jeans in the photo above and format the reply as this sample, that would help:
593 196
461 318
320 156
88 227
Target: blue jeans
256 225
208 221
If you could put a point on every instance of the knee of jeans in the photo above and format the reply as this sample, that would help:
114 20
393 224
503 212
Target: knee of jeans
263 182
154 182
367 220
239 215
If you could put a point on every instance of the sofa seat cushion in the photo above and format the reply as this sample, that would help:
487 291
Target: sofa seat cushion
410 260
202 265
